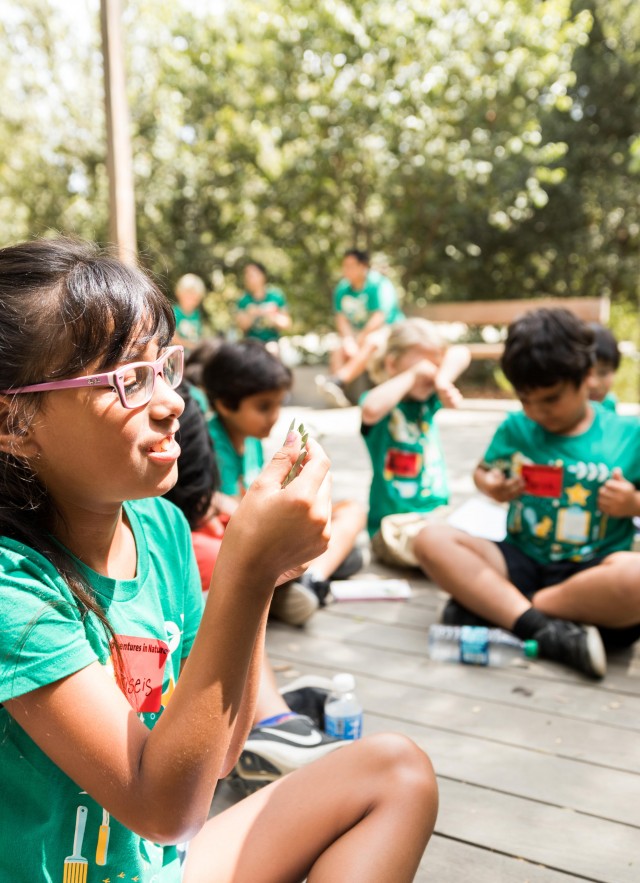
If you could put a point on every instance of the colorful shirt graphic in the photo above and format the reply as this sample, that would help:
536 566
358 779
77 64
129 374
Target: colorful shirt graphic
237 471
557 517
377 295
43 639
409 473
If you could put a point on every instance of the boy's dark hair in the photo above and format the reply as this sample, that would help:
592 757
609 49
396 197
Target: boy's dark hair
196 360
238 370
198 474
362 257
545 347
606 346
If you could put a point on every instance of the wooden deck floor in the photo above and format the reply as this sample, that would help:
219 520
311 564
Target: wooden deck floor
538 768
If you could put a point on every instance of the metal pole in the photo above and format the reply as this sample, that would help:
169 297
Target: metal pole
122 211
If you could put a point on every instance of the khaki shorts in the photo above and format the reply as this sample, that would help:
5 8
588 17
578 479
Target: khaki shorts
393 543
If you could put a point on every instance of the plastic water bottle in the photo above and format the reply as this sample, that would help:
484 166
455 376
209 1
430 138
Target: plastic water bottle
477 645
342 709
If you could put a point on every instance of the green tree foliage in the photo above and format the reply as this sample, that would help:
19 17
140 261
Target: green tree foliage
482 149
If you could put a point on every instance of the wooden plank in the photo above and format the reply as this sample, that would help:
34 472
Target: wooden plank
560 839
504 722
509 769
550 688
450 861
503 312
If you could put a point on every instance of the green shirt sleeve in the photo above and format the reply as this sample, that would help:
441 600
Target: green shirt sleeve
43 637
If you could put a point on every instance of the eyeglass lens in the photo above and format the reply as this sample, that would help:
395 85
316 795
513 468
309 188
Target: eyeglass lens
138 383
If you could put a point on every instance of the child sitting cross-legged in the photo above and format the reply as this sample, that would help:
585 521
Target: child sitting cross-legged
246 386
570 471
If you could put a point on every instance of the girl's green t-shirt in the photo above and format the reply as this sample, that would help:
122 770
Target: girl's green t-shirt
43 639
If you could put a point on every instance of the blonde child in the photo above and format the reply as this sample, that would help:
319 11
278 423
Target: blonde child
190 292
123 702
415 373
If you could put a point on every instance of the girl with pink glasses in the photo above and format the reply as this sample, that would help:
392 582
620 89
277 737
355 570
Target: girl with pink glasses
123 701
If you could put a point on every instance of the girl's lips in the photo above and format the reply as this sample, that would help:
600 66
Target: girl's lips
166 450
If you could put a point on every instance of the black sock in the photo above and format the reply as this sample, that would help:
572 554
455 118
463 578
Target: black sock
529 623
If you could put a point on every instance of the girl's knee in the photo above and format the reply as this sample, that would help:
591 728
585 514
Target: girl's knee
401 763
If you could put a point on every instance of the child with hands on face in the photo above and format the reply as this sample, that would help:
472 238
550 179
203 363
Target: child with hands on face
117 689
416 376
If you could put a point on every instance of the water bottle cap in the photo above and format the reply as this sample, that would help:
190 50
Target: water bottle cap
344 682
530 649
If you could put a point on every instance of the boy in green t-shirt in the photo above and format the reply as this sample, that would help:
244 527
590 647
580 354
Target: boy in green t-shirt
365 304
246 386
570 471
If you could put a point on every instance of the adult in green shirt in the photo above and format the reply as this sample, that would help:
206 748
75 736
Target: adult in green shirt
262 311
570 471
365 303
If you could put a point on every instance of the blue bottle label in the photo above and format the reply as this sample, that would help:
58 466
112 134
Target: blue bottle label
474 645
344 727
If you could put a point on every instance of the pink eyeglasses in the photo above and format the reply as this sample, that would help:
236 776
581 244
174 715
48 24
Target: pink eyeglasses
134 383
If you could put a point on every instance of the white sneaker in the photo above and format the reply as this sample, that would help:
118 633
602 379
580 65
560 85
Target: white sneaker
332 392
293 603
273 751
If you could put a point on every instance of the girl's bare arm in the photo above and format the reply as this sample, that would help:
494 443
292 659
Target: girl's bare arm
160 782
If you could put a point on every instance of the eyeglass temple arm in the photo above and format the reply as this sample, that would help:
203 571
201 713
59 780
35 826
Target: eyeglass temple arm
72 383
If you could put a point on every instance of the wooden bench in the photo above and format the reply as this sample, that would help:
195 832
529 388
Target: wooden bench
500 313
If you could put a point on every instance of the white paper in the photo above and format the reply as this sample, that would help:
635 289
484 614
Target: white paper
370 589
480 517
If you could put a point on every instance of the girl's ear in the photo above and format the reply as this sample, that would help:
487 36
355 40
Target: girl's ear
15 435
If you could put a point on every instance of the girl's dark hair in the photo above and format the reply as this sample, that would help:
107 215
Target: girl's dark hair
606 345
198 474
238 370
545 347
258 266
64 306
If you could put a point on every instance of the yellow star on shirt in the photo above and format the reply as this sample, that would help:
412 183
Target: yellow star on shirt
107 880
122 874
577 495
135 879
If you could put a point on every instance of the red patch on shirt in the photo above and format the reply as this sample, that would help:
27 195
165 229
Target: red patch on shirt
404 464
542 481
139 668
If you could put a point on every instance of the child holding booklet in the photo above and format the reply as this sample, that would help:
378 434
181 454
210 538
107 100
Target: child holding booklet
570 471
